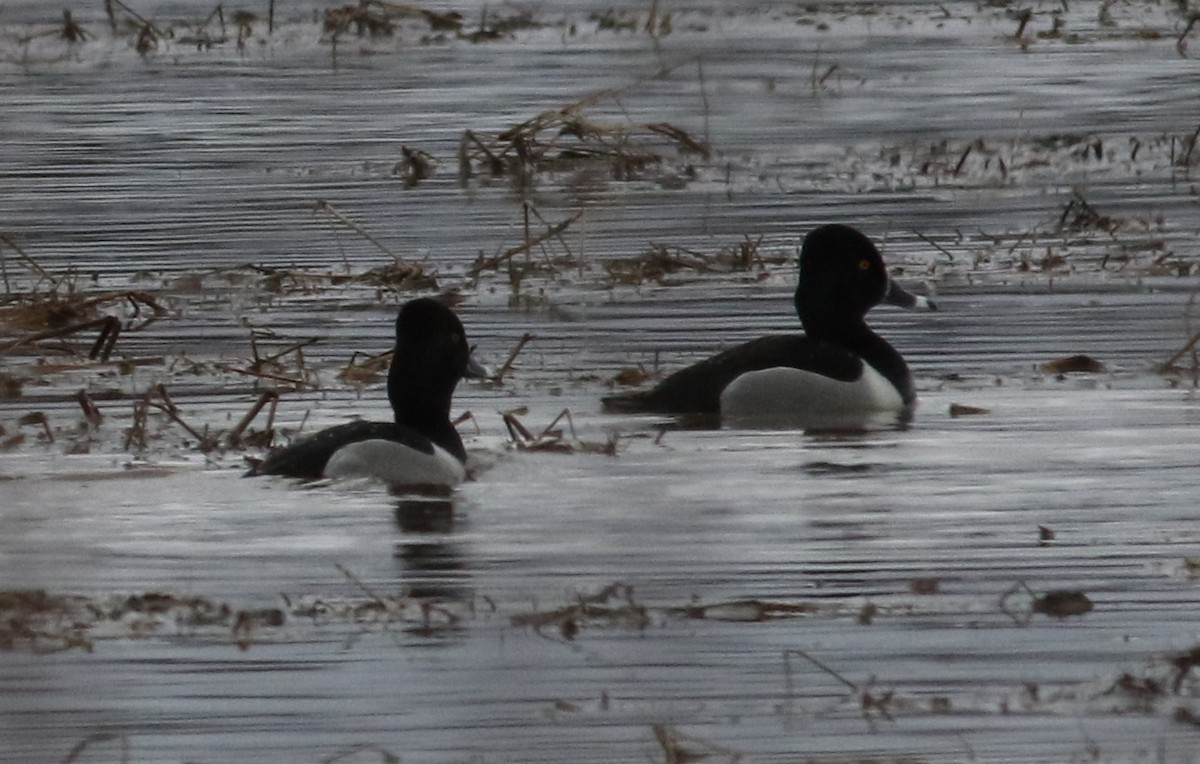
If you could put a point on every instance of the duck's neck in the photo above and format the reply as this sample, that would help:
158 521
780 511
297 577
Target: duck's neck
424 406
858 338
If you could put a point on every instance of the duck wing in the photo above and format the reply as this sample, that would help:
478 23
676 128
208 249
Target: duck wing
307 457
697 388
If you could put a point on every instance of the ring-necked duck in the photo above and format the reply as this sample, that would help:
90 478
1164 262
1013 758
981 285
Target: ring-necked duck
840 374
420 448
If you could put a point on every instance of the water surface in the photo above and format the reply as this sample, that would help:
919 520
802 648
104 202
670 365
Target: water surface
773 595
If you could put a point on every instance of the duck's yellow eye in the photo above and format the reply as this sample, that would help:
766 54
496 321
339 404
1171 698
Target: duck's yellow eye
864 265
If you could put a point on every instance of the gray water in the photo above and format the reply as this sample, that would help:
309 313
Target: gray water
768 595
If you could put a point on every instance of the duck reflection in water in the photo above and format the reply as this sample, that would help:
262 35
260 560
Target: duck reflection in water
432 564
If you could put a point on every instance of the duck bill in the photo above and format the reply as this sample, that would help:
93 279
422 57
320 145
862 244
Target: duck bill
476 370
902 298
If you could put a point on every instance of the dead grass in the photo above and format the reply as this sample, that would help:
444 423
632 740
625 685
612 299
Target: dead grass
567 139
681 748
553 438
613 606
39 306
664 264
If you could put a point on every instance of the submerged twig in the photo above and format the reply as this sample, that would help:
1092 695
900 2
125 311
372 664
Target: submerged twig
329 209
506 367
525 246
1169 364
268 398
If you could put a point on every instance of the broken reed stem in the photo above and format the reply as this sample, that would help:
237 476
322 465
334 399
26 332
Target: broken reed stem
148 24
110 327
652 19
90 411
297 383
561 240
136 299
1191 145
467 416
508 363
670 738
40 419
516 430
962 160
137 428
295 347
27 260
703 99
934 244
168 407
99 737
141 410
358 582
269 396
4 274
796 651
525 227
1166 365
161 390
527 245
327 208
549 430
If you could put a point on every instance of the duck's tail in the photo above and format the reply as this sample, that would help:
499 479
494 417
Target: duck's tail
636 402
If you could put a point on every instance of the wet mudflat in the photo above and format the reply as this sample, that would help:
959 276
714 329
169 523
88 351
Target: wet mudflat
1013 577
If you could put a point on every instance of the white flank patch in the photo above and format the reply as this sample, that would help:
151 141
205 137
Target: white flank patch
787 397
395 464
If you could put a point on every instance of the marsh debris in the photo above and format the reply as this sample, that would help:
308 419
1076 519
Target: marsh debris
363 369
157 398
507 366
682 748
530 242
36 621
613 606
44 306
662 264
924 586
364 18
71 29
385 755
96 739
1075 364
1183 664
565 139
414 167
40 622
553 438
748 610
337 217
1079 215
1058 603
961 409
872 703
632 376
379 18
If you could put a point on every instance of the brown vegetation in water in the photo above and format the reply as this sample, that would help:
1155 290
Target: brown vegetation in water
552 438
661 262
565 139
41 306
